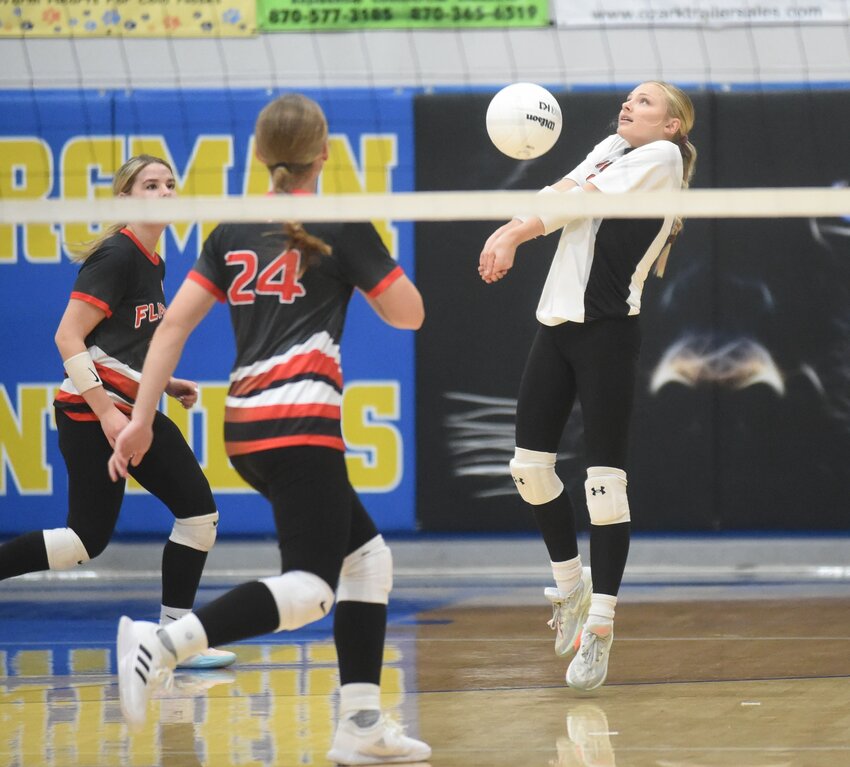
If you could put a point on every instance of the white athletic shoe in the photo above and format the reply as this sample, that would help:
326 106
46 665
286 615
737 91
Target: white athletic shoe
569 612
210 658
382 743
589 669
144 665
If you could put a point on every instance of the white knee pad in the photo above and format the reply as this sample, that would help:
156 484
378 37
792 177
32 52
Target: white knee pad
301 598
605 489
195 532
367 574
534 475
64 548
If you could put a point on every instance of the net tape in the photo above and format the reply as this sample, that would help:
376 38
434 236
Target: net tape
440 206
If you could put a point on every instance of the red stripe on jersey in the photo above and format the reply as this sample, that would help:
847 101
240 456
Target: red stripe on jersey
258 445
274 412
386 282
93 301
66 398
206 285
312 362
127 387
63 396
152 257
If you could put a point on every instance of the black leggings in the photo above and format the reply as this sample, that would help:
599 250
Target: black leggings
319 520
168 471
595 362
318 516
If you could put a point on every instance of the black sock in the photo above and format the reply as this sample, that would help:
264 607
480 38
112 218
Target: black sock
359 633
246 611
24 554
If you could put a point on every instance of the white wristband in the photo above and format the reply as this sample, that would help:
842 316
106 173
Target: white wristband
82 372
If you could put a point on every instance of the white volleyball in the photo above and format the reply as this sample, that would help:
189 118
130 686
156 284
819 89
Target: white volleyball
523 121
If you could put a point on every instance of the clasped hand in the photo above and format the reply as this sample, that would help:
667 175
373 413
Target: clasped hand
498 254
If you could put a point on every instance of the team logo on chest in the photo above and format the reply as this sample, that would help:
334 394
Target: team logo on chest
148 313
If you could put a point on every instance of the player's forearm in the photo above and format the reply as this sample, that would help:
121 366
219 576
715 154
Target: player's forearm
160 363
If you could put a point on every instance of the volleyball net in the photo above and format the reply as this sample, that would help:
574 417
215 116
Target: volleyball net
438 206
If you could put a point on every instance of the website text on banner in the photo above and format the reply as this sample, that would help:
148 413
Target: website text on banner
211 151
319 15
596 13
127 18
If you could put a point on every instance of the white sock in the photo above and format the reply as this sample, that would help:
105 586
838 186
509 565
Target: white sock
600 619
187 636
358 696
567 574
170 614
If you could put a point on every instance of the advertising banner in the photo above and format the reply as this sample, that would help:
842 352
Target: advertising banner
318 15
603 13
127 18
742 419
67 145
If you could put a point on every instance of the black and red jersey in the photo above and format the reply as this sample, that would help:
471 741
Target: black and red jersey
124 280
286 383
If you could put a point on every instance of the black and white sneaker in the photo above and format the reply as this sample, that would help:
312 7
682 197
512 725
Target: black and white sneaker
144 665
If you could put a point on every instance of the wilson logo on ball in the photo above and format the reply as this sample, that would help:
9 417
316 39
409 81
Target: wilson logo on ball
523 121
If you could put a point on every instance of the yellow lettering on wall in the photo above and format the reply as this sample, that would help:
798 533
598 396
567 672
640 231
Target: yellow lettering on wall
80 158
375 458
23 440
257 179
205 174
222 476
26 173
341 174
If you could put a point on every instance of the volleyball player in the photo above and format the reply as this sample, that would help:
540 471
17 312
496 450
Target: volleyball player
587 346
288 291
116 304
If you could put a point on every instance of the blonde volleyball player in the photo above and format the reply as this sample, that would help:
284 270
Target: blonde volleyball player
288 292
587 346
115 305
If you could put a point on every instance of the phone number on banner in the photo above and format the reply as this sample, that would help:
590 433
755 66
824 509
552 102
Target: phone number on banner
317 15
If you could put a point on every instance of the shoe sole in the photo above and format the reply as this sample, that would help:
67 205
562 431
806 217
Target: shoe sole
574 686
202 662
342 759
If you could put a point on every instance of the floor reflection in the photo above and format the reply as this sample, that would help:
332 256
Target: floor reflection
277 706
692 683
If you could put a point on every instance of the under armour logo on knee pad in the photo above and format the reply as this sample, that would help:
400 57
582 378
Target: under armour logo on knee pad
598 490
518 480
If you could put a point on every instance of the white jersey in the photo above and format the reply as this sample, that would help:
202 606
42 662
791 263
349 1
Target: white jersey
600 265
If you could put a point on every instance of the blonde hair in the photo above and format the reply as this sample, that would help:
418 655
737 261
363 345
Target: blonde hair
290 134
680 106
122 183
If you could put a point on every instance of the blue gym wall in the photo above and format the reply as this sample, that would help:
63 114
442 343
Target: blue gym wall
64 145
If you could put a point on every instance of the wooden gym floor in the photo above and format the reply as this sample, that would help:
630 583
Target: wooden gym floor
710 668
